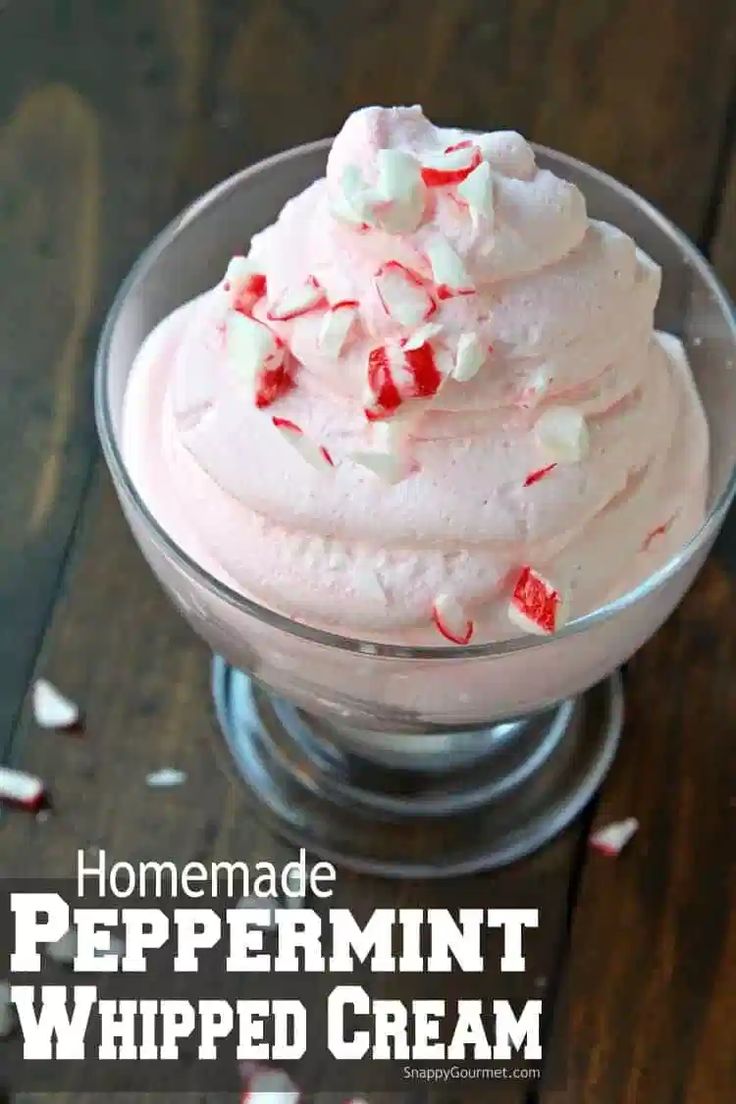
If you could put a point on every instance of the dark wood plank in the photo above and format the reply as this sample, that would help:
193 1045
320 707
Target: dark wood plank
90 154
723 249
610 83
650 994
198 89
620 93
651 989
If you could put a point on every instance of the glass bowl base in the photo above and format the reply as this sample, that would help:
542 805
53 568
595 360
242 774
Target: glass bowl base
418 805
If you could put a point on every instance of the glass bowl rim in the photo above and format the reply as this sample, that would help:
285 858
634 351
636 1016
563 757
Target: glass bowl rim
124 483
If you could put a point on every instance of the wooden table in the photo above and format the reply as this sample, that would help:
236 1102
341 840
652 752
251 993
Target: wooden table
115 113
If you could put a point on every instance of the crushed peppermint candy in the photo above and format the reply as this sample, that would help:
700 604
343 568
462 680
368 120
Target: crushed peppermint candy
25 791
403 295
535 605
540 473
294 302
451 620
563 434
399 203
273 384
451 166
336 325
470 356
448 271
166 778
51 709
316 455
477 191
425 333
390 467
611 839
354 201
396 373
259 356
244 284
399 173
387 456
395 204
267 1086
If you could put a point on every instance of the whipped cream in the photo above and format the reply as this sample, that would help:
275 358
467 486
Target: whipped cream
432 378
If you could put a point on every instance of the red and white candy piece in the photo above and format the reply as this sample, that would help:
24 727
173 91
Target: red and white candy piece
386 457
51 709
403 295
477 191
252 345
449 273
399 174
297 301
315 455
166 778
535 606
451 619
451 166
395 204
21 789
336 325
266 1086
469 357
243 284
612 838
354 201
563 434
397 373
425 333
399 203
259 355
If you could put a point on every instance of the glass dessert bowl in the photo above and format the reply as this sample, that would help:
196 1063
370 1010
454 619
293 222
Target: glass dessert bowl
426 760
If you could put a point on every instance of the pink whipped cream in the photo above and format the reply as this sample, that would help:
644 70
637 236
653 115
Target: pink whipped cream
429 403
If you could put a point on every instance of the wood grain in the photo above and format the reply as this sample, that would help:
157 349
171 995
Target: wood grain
90 152
650 987
115 113
723 248
621 93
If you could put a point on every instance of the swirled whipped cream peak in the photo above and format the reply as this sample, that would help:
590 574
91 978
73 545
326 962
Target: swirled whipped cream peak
429 404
